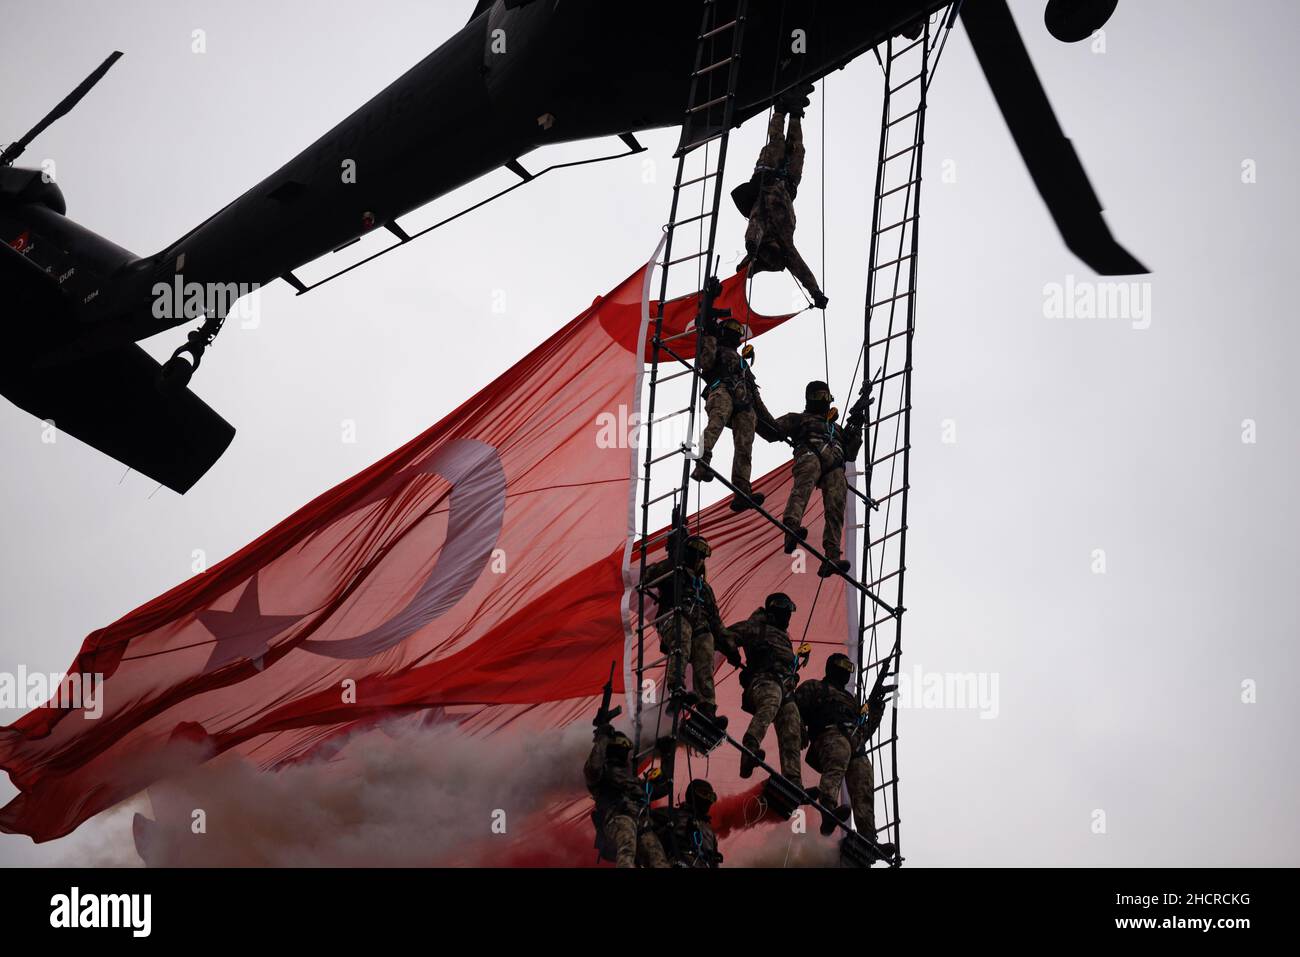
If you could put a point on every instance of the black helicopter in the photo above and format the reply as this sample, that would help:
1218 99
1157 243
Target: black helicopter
519 75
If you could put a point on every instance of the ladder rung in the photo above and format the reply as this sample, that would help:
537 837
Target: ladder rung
671 415
905 83
649 543
884 578
703 252
893 262
877 747
669 494
709 104
903 117
681 335
692 219
910 182
676 375
884 302
698 179
897 491
888 535
667 455
910 46
894 375
881 342
879 621
907 149
886 458
716 30
886 418
901 222
880 661
656 582
698 143
712 67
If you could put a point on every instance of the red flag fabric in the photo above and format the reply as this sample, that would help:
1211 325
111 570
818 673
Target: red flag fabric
477 575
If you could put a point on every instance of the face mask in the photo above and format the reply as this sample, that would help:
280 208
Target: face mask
819 406
730 338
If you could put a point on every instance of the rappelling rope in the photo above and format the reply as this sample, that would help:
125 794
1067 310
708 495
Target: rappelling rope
826 351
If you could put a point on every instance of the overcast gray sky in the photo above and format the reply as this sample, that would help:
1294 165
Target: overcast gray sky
1119 692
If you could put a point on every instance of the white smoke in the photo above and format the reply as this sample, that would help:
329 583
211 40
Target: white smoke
393 797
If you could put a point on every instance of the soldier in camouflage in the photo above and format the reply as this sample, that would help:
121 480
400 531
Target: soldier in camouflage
821 447
622 796
838 732
682 836
769 677
688 622
768 198
729 396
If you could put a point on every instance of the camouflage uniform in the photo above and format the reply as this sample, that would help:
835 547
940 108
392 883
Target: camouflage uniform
821 448
837 748
680 838
686 634
769 678
769 237
728 401
621 797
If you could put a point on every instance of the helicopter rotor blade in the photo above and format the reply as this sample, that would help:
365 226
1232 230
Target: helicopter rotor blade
1048 153
16 148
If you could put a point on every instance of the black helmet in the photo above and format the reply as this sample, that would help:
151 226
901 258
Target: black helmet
779 601
839 668
817 390
698 543
699 796
779 608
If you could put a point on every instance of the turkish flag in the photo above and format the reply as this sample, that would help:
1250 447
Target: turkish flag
479 572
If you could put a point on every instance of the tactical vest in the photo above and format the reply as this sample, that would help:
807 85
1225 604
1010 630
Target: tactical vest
822 437
771 654
772 175
619 790
696 591
731 372
831 707
689 841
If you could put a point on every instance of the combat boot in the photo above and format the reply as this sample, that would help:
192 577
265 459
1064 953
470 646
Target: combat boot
702 472
739 503
832 819
709 710
792 541
830 566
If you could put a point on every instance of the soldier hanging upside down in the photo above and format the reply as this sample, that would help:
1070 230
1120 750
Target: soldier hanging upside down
687 622
730 393
622 796
768 198
682 836
838 733
769 677
821 447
